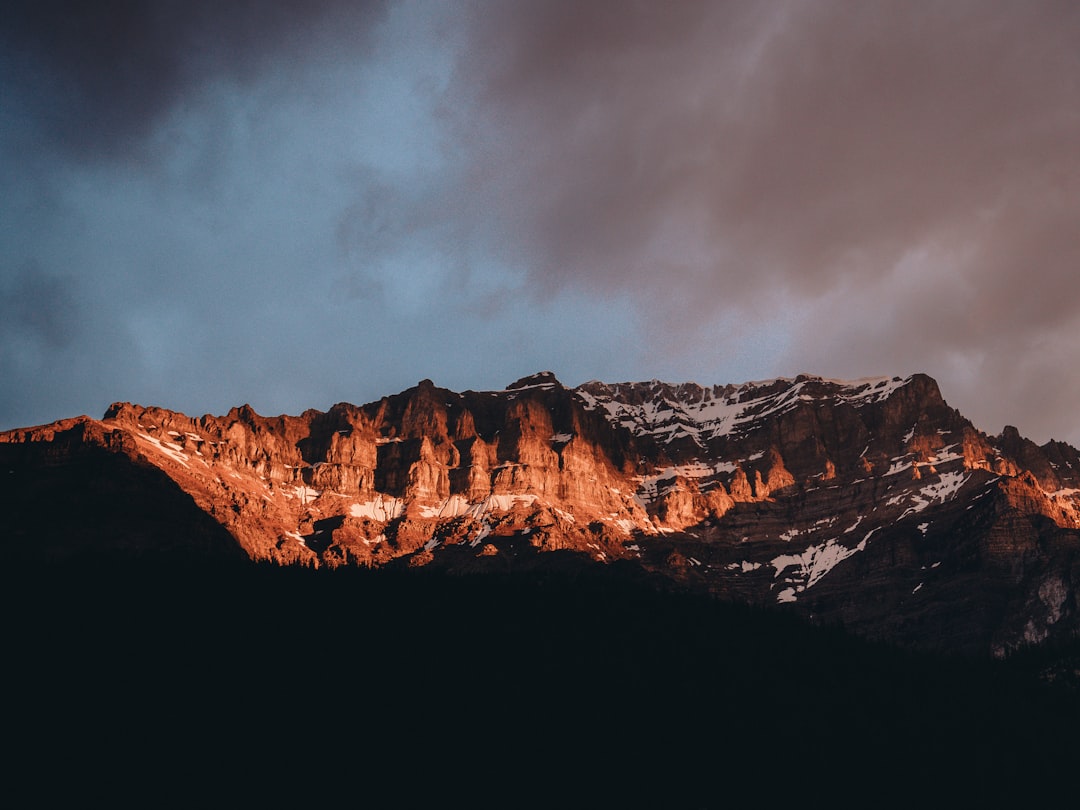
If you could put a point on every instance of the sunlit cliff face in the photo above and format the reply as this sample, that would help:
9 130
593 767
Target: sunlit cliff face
870 502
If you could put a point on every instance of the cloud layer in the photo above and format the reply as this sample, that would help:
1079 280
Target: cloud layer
293 207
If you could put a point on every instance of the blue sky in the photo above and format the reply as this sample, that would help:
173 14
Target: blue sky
295 204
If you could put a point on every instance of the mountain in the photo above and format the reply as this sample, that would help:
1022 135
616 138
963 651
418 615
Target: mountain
868 503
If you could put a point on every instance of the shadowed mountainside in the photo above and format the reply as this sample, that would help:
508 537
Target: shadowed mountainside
169 683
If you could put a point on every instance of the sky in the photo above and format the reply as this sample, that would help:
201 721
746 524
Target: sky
293 204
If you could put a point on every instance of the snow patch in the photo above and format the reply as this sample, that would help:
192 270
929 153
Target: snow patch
305 493
745 566
898 465
170 449
944 455
1063 493
454 506
651 487
383 508
946 487
497 503
706 414
485 530
564 515
815 562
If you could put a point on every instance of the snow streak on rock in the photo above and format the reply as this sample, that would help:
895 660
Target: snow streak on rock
811 565
667 412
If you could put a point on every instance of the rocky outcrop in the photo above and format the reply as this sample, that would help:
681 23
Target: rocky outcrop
871 503
79 491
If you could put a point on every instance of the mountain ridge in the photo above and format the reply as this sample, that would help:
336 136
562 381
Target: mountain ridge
869 502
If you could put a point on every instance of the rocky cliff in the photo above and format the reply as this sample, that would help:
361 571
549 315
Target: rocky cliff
871 503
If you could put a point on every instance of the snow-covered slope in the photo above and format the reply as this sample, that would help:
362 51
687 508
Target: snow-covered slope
669 412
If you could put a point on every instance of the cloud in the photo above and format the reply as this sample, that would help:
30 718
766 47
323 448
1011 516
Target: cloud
293 203
39 309
97 77
746 145
902 177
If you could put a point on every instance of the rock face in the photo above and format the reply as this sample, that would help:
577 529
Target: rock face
871 503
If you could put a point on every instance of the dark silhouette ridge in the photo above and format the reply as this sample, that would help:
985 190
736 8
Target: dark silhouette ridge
584 688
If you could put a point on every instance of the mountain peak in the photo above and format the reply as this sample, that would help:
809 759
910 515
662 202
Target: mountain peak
546 379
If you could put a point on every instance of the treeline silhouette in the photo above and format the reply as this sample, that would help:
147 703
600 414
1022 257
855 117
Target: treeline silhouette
171 683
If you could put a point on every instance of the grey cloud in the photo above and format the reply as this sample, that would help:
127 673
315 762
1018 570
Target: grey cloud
786 142
39 308
830 158
96 77
288 203
56 352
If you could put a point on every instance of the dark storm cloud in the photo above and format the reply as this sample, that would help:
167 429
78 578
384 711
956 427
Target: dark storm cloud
903 177
97 76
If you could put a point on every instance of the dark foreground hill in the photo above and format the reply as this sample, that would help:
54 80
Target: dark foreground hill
238 684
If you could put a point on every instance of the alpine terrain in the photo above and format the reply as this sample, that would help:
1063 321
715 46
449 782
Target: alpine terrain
867 503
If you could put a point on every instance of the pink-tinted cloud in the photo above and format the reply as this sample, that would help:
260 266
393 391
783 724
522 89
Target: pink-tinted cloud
904 176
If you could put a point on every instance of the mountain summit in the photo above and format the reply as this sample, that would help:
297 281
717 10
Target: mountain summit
868 502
